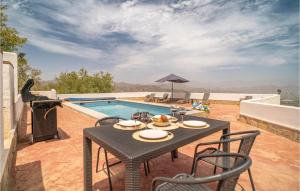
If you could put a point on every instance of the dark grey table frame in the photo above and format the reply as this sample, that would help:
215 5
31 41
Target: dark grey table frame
133 153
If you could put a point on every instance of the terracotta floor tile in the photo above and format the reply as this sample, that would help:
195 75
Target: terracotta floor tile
57 164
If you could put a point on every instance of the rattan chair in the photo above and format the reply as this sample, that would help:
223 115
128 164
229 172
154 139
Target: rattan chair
226 180
111 121
245 139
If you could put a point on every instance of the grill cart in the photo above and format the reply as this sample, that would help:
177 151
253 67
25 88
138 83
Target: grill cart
43 114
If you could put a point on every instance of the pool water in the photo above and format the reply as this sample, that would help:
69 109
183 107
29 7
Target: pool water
123 108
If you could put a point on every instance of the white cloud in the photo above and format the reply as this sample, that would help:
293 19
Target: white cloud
186 36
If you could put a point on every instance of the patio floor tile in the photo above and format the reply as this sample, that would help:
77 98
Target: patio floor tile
57 164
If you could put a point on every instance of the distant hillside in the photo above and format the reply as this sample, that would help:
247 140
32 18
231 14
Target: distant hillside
126 87
271 89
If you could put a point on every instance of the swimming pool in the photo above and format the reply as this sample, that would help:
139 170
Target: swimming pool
123 109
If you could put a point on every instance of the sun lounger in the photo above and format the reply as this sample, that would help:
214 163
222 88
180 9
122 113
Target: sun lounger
204 104
205 100
186 98
149 98
246 98
164 98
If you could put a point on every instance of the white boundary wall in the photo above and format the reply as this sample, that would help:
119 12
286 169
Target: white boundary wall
1 117
269 109
13 59
213 96
8 94
228 96
16 105
100 95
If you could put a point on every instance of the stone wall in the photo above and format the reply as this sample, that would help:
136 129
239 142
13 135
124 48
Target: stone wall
289 133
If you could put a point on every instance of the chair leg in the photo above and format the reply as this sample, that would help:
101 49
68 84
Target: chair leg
193 163
97 164
108 171
215 169
148 167
175 153
251 179
145 169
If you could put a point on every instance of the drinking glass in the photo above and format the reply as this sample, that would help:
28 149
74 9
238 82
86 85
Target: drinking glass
135 117
173 110
145 118
182 113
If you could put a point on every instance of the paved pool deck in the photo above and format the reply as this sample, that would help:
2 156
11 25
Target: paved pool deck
57 165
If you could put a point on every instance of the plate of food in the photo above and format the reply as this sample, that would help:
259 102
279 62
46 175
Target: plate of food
129 123
194 123
159 116
161 120
153 134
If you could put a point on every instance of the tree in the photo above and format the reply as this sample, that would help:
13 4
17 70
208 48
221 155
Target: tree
10 41
25 72
82 82
9 37
23 69
35 74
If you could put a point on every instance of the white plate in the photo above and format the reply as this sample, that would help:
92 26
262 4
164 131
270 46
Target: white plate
153 134
129 123
193 123
158 116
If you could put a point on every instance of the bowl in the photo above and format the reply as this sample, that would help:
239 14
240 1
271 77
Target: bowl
158 121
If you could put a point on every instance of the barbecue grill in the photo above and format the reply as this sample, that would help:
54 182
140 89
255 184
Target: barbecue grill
43 114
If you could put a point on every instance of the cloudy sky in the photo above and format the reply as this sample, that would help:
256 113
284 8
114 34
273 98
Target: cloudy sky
211 41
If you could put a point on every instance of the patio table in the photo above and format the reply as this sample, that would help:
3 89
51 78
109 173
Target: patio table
133 152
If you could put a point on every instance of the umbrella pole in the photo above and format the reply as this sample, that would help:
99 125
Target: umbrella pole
172 92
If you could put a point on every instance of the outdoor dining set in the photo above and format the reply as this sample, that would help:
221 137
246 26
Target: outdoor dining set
146 136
